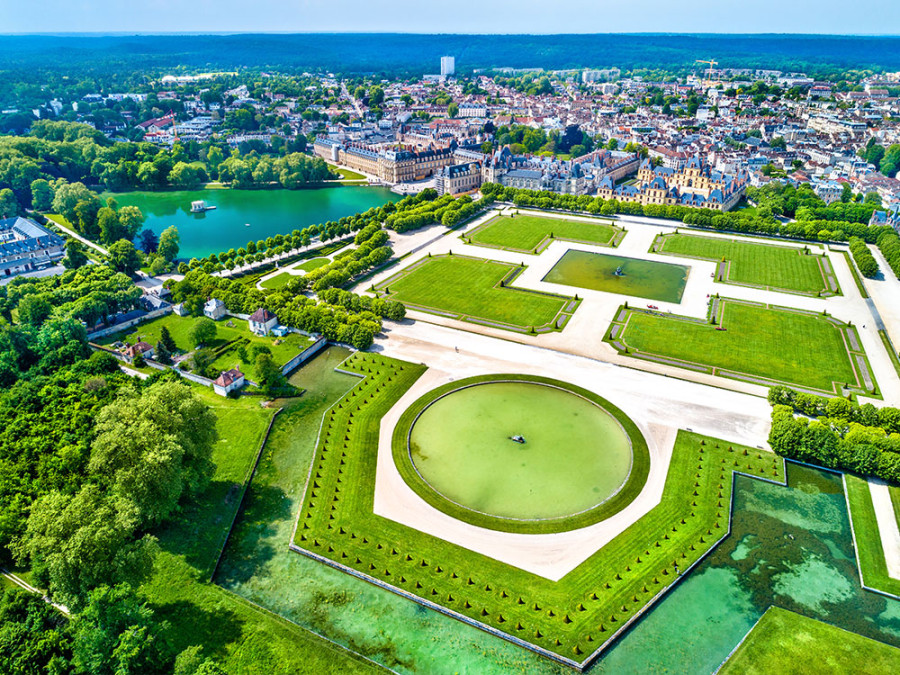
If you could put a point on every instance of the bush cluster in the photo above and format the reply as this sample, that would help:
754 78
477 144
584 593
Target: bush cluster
426 208
345 319
372 250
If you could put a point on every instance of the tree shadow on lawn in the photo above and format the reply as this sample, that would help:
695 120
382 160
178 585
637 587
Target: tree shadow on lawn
193 625
200 529
257 536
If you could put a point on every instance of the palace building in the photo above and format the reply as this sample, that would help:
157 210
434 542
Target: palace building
392 165
696 185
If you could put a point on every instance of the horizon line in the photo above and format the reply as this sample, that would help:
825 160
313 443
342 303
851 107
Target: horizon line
226 33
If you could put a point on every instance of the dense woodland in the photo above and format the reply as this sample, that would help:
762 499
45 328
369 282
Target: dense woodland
91 461
59 153
353 53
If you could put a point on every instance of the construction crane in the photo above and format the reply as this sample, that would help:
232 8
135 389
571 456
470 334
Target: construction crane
710 71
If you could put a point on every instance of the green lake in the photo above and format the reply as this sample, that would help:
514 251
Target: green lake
638 278
575 455
244 215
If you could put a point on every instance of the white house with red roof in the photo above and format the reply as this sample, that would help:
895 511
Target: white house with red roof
140 349
228 381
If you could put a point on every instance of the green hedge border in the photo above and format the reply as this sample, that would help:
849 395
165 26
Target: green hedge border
637 477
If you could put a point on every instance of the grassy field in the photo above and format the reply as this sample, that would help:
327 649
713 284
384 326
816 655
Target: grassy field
784 642
779 268
180 330
804 350
466 288
258 565
243 638
872 564
528 234
571 617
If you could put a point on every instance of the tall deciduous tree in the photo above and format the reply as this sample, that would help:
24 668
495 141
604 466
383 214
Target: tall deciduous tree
123 257
115 635
131 220
154 448
75 255
203 331
41 195
78 542
168 243
9 206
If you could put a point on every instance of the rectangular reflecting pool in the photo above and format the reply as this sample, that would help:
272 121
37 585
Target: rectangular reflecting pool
617 274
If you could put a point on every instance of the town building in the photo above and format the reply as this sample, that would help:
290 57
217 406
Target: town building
578 176
392 164
448 66
829 191
26 246
142 349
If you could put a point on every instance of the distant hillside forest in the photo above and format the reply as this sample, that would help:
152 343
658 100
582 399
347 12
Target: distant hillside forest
417 54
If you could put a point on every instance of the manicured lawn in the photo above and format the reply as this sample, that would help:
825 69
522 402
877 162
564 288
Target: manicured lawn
756 264
180 330
526 232
785 642
571 617
872 564
800 349
311 265
347 174
244 639
464 288
280 280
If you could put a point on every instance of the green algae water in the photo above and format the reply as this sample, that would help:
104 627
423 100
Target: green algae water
791 547
574 455
247 215
638 278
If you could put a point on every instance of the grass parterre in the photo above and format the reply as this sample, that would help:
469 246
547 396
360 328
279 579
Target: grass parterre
749 263
532 234
786 642
754 342
477 290
569 620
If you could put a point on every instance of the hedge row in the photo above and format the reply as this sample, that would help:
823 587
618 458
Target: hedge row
889 243
863 257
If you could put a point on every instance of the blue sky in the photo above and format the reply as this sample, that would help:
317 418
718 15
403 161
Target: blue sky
427 16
